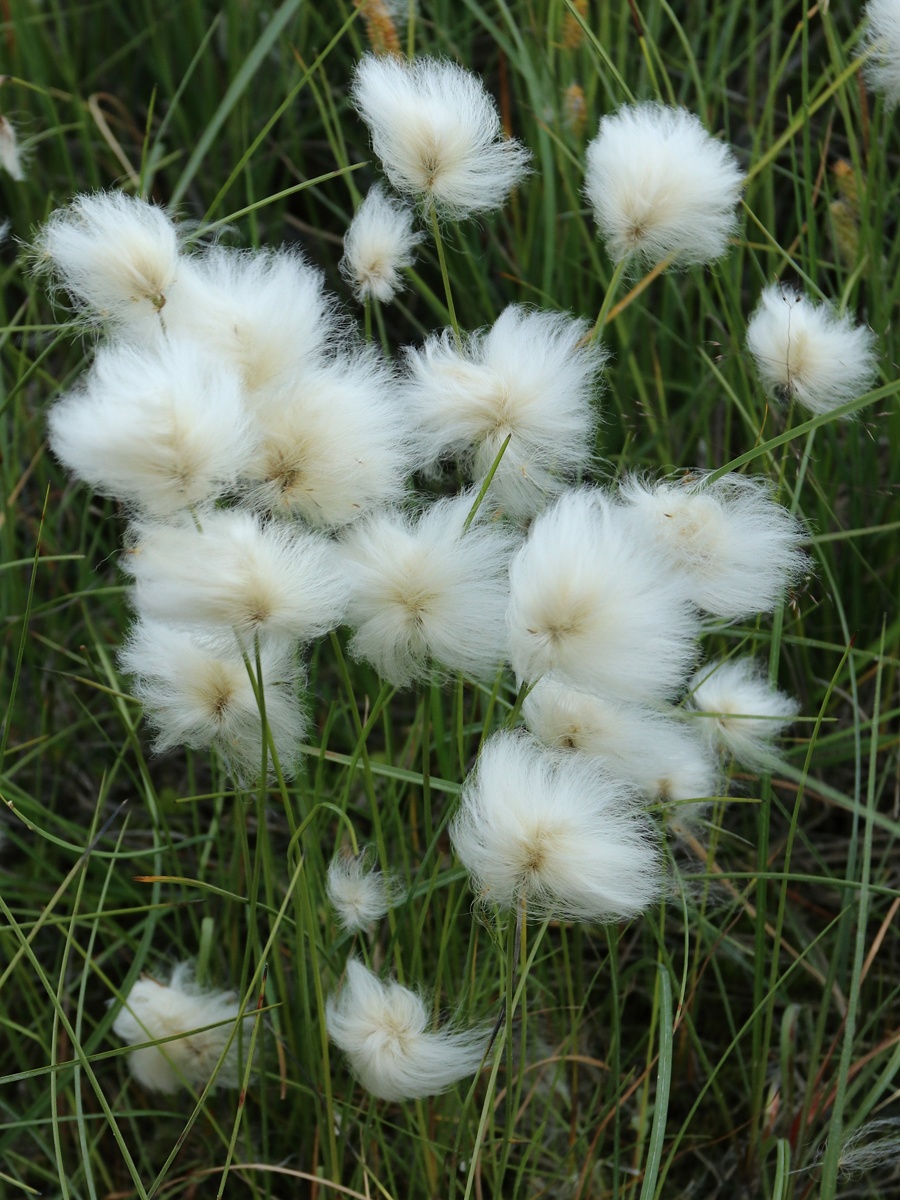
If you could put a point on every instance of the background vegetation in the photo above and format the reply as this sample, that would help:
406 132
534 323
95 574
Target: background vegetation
741 1040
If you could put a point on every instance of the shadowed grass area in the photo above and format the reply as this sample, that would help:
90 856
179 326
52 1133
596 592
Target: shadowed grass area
741 1039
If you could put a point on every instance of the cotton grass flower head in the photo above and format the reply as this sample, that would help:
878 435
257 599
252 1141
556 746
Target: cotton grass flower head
661 186
180 1010
594 607
427 593
237 573
380 242
741 712
335 442
810 351
116 255
161 429
437 133
383 1028
264 311
10 150
359 893
530 378
736 549
198 694
883 39
656 750
555 832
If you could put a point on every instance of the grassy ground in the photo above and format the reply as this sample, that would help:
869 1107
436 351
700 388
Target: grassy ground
741 1039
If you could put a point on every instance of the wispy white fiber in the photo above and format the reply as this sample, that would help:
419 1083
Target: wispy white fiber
380 242
198 694
736 549
742 713
527 377
264 311
437 133
116 255
810 351
660 185
336 441
180 1010
874 1146
383 1028
556 832
594 607
238 573
359 893
10 151
662 755
883 38
163 428
427 593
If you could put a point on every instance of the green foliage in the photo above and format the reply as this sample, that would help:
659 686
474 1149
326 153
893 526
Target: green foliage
727 1044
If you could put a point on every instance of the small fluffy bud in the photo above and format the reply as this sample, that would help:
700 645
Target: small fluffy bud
359 893
180 1010
437 133
10 153
740 711
809 351
383 1030
661 186
378 244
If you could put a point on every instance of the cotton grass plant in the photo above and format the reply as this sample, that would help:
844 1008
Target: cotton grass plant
487 693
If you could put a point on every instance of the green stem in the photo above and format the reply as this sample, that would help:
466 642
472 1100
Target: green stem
611 290
439 244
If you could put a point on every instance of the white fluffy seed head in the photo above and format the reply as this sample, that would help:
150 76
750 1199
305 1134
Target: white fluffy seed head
662 755
528 378
661 186
380 242
883 39
735 548
180 1010
198 694
810 351
554 832
117 257
238 574
595 608
359 893
161 428
740 711
383 1030
428 594
264 311
437 133
334 443
10 150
